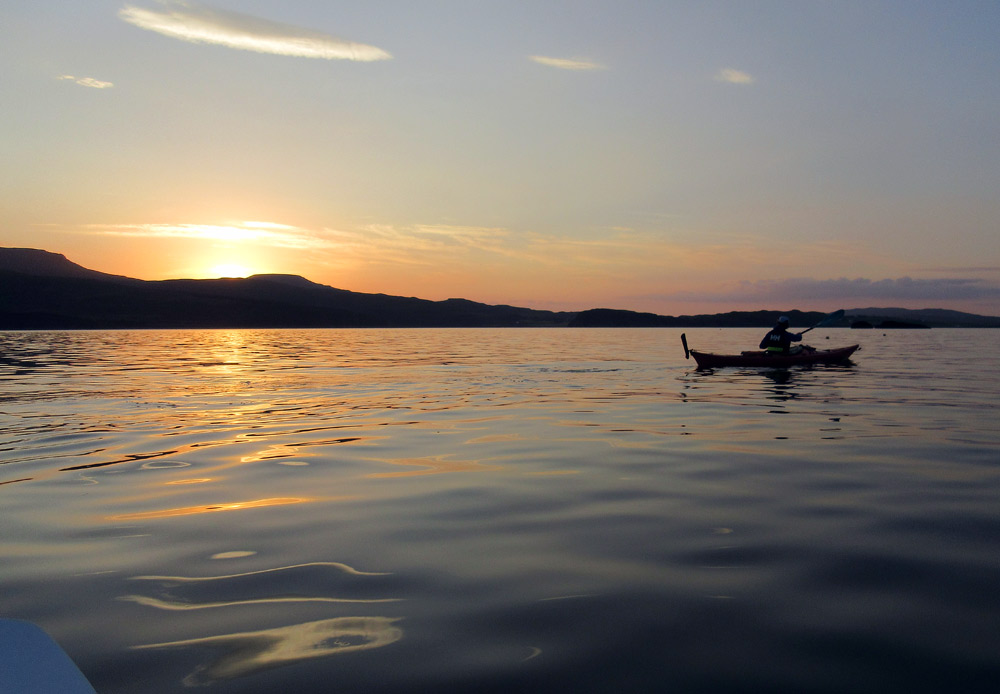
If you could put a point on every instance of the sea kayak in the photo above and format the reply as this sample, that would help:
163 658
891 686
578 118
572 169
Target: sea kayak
31 662
707 360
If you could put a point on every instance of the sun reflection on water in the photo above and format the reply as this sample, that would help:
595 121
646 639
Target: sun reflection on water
244 653
240 654
208 508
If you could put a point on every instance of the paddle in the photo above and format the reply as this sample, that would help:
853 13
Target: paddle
684 341
828 320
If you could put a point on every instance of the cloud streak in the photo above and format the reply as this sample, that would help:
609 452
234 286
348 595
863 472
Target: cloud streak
567 63
419 245
616 257
731 76
904 289
88 82
196 23
260 233
976 269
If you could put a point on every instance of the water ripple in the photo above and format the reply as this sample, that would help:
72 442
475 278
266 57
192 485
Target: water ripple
207 508
344 568
184 606
244 653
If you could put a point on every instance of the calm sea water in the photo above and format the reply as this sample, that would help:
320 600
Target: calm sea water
503 510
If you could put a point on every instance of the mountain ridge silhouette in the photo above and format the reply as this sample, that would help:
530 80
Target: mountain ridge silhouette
44 290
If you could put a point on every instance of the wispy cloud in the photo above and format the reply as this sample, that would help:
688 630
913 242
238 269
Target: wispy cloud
189 21
734 76
567 63
619 254
858 289
423 245
966 270
260 233
902 288
87 82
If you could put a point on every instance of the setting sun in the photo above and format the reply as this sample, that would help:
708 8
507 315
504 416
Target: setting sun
229 270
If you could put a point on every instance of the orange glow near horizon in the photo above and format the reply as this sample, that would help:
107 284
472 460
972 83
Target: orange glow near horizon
230 270
624 269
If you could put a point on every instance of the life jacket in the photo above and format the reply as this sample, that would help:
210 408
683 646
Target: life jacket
778 341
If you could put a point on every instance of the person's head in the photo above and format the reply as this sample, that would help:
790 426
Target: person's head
783 322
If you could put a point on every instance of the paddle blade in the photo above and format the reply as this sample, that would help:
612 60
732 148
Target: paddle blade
684 341
831 319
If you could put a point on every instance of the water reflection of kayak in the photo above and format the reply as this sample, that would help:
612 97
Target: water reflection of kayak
30 661
708 360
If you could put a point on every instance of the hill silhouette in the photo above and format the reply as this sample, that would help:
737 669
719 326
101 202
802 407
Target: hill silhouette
32 261
44 290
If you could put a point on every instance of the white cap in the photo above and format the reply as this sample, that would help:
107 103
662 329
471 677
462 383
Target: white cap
783 319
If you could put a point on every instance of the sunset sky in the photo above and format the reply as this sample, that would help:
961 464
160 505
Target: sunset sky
675 157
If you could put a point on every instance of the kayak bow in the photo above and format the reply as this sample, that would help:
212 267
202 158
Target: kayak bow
30 661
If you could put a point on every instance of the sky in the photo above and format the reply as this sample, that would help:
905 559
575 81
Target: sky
669 156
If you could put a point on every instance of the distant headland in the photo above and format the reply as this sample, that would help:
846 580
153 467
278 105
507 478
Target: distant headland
40 290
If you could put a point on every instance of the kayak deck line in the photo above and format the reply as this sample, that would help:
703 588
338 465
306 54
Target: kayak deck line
707 360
